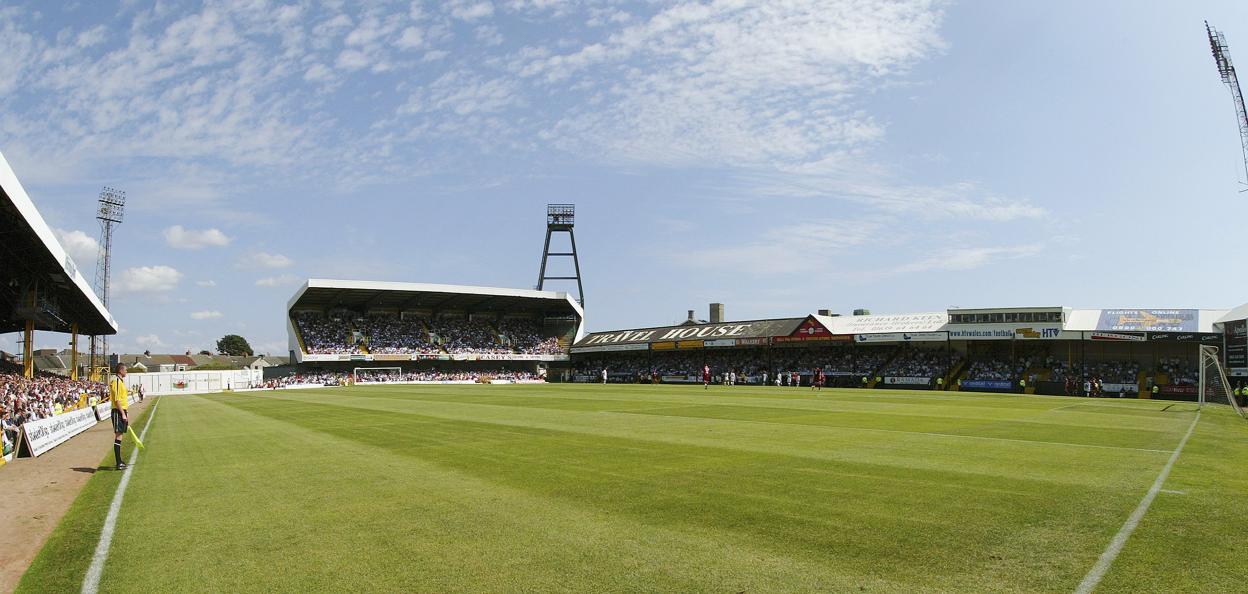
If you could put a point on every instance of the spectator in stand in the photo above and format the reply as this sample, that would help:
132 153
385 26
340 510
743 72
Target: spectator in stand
30 399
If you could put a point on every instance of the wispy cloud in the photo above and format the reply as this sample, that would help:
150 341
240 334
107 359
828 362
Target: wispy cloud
190 239
266 260
206 315
83 248
277 281
148 279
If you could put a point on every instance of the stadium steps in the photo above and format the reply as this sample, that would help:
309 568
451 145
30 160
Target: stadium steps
879 371
351 329
951 380
299 335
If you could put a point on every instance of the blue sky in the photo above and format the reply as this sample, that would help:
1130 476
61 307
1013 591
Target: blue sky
780 157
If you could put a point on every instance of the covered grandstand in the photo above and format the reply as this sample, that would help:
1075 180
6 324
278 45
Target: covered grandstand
1050 350
339 324
40 285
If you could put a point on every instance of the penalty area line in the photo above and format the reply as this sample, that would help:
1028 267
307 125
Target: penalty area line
1097 573
91 583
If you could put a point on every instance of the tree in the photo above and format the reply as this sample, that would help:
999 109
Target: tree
233 345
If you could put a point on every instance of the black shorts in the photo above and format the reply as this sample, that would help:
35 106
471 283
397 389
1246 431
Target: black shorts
119 423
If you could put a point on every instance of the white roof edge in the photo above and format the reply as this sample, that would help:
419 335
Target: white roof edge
324 283
13 188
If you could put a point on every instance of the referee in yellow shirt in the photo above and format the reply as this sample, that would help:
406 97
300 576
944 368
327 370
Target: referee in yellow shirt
121 417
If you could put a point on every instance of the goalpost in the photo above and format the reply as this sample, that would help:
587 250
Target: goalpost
371 374
1214 386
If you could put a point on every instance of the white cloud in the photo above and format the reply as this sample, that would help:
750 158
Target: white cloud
352 60
968 258
83 248
189 239
206 283
148 279
277 281
318 73
468 10
788 249
412 38
206 315
266 260
149 340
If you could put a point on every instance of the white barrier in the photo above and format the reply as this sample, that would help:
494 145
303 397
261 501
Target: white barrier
103 411
40 436
195 382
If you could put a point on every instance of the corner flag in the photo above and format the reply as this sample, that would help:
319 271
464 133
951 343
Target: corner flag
130 430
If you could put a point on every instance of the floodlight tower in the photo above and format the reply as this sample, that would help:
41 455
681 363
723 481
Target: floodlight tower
1222 56
560 218
111 209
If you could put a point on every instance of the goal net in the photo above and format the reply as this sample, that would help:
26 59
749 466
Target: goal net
369 375
1214 386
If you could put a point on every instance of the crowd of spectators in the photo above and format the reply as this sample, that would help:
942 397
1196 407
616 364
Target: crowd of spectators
325 334
743 362
346 332
460 335
919 363
1110 372
25 399
1000 367
526 338
448 376
389 334
1179 372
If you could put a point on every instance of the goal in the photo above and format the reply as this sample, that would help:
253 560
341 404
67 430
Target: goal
1214 386
366 375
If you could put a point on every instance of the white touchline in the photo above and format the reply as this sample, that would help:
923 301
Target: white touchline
91 583
1094 576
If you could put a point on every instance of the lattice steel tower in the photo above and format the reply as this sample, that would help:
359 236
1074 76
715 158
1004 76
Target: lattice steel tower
1222 55
112 207
560 218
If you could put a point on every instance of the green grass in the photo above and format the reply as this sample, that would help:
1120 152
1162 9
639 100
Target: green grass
661 489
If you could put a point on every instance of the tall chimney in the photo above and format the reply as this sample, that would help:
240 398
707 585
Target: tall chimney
717 313
691 315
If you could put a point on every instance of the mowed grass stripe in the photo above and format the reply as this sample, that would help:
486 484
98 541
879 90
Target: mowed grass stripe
917 526
370 517
62 563
395 489
1192 539
978 407
1124 468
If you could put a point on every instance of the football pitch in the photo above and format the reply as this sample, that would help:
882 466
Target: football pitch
662 489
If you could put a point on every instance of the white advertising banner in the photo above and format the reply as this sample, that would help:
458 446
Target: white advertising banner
880 337
611 347
907 381
1011 332
1131 388
103 411
45 434
721 342
195 382
1115 336
924 336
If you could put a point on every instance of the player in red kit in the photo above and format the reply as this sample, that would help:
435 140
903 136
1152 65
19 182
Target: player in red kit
706 377
817 385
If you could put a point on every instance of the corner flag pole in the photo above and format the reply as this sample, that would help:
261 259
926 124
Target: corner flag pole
130 430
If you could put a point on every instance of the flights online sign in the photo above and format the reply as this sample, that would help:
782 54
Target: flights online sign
1149 320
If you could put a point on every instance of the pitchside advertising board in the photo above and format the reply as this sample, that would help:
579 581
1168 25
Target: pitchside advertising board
1237 345
987 384
40 436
